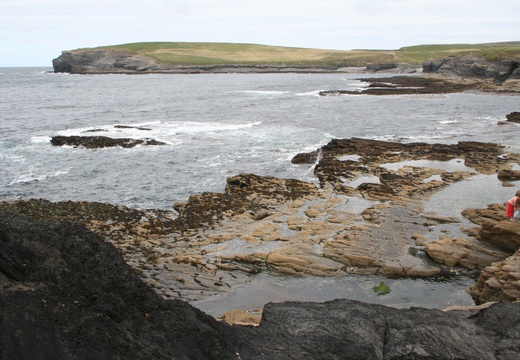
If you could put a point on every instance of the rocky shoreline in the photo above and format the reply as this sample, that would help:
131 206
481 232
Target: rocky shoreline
309 229
299 229
66 293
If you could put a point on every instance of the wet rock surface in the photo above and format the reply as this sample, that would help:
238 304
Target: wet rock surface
66 293
405 85
500 280
215 241
427 84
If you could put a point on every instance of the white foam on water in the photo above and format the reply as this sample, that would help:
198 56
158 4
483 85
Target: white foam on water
40 139
309 93
261 92
446 122
32 176
173 133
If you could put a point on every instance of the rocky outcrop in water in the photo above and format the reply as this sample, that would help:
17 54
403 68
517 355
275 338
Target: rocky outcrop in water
96 142
65 293
406 85
428 83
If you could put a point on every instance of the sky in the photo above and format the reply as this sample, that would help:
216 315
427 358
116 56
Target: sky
33 32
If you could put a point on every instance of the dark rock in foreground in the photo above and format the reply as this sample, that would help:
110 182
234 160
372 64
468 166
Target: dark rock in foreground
343 329
95 142
65 293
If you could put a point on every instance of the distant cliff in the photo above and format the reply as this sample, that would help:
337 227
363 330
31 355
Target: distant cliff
115 61
195 58
105 61
474 66
496 61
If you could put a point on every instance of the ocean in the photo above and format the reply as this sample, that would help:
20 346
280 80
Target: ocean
215 126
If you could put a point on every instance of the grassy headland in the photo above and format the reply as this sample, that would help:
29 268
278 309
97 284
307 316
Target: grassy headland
205 53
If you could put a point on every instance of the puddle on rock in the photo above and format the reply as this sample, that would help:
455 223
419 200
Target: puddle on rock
237 246
404 293
475 192
450 165
372 179
349 158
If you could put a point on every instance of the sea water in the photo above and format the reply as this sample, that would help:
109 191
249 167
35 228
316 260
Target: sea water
216 126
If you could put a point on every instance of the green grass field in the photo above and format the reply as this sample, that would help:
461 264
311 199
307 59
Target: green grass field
191 53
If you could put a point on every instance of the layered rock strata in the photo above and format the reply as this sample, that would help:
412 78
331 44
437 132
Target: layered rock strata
474 66
295 228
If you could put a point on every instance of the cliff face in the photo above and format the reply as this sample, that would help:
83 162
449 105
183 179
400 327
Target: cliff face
65 293
102 61
472 66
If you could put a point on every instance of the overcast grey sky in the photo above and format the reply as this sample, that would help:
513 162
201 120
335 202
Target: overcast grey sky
33 32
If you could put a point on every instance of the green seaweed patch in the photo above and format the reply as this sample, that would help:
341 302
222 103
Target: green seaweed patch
381 289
